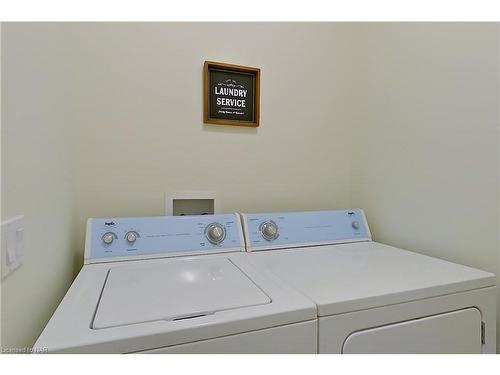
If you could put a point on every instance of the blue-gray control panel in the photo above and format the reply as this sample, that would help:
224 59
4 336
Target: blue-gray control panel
162 235
279 230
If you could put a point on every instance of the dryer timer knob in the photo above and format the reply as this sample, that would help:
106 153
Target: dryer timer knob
269 230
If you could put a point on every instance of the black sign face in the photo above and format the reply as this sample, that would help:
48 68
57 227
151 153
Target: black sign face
231 95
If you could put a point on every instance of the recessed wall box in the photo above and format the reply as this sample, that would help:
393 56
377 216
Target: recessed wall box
191 203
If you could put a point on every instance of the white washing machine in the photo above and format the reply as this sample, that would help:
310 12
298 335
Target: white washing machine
176 285
370 297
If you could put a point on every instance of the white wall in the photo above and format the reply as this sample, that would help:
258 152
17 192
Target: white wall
105 118
425 123
139 122
36 176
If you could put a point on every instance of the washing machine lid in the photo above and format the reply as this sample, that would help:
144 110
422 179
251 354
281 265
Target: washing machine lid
349 277
176 290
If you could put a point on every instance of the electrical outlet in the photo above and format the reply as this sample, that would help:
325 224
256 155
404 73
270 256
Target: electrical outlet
12 245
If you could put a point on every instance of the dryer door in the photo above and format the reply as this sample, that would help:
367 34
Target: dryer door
453 332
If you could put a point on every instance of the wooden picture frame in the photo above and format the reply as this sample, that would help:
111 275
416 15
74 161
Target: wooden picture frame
231 94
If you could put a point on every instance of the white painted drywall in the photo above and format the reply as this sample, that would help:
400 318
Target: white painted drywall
36 176
424 127
139 123
105 118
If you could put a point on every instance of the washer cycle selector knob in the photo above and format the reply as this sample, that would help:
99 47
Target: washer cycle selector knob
355 224
108 238
131 236
269 230
215 233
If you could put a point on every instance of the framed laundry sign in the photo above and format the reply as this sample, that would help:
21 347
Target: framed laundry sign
231 94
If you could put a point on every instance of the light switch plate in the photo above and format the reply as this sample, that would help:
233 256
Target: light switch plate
12 245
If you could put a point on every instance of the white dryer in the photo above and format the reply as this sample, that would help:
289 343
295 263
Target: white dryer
176 285
370 297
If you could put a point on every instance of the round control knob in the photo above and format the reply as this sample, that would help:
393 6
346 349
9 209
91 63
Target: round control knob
215 232
269 230
355 224
131 237
108 238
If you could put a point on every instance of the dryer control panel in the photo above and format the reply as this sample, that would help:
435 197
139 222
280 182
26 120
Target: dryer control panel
161 236
294 229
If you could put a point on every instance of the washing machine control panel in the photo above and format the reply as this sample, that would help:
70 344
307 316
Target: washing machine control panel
118 238
279 230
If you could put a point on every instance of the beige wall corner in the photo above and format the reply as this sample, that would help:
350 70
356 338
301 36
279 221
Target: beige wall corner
425 131
36 175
